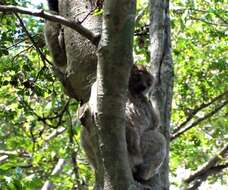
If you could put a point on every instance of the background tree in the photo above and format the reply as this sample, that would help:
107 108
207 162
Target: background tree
34 110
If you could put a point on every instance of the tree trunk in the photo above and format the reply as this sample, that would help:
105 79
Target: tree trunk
80 71
114 64
103 112
162 70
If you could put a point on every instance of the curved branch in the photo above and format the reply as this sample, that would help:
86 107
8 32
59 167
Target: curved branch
177 134
48 185
196 110
75 25
210 164
210 168
212 171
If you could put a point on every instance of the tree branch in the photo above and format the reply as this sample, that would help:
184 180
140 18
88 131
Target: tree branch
48 185
211 163
196 110
182 9
3 158
221 18
42 56
15 153
18 42
210 168
207 22
55 133
74 153
75 25
193 124
212 171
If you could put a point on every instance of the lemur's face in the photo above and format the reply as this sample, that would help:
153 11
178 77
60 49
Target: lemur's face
141 81
144 82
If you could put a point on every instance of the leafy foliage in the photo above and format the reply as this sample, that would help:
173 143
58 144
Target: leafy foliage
200 56
38 125
37 119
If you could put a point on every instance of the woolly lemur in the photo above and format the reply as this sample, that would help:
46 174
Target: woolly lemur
146 146
147 151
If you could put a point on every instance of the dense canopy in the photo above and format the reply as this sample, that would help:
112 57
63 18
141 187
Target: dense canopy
39 130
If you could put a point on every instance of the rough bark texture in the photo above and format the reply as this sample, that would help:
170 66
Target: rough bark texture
114 64
162 70
80 52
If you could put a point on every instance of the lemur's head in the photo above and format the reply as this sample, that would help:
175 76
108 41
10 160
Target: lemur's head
141 81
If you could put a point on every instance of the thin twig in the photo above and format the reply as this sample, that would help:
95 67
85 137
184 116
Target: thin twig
42 56
207 22
39 73
60 114
94 38
183 130
73 153
199 108
48 185
22 51
210 168
20 41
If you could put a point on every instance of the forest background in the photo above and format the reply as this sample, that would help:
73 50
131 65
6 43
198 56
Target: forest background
38 127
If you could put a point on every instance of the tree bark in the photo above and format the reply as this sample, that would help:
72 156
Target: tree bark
80 72
162 70
114 63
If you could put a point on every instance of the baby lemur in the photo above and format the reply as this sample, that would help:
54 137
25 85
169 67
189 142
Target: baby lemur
146 146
